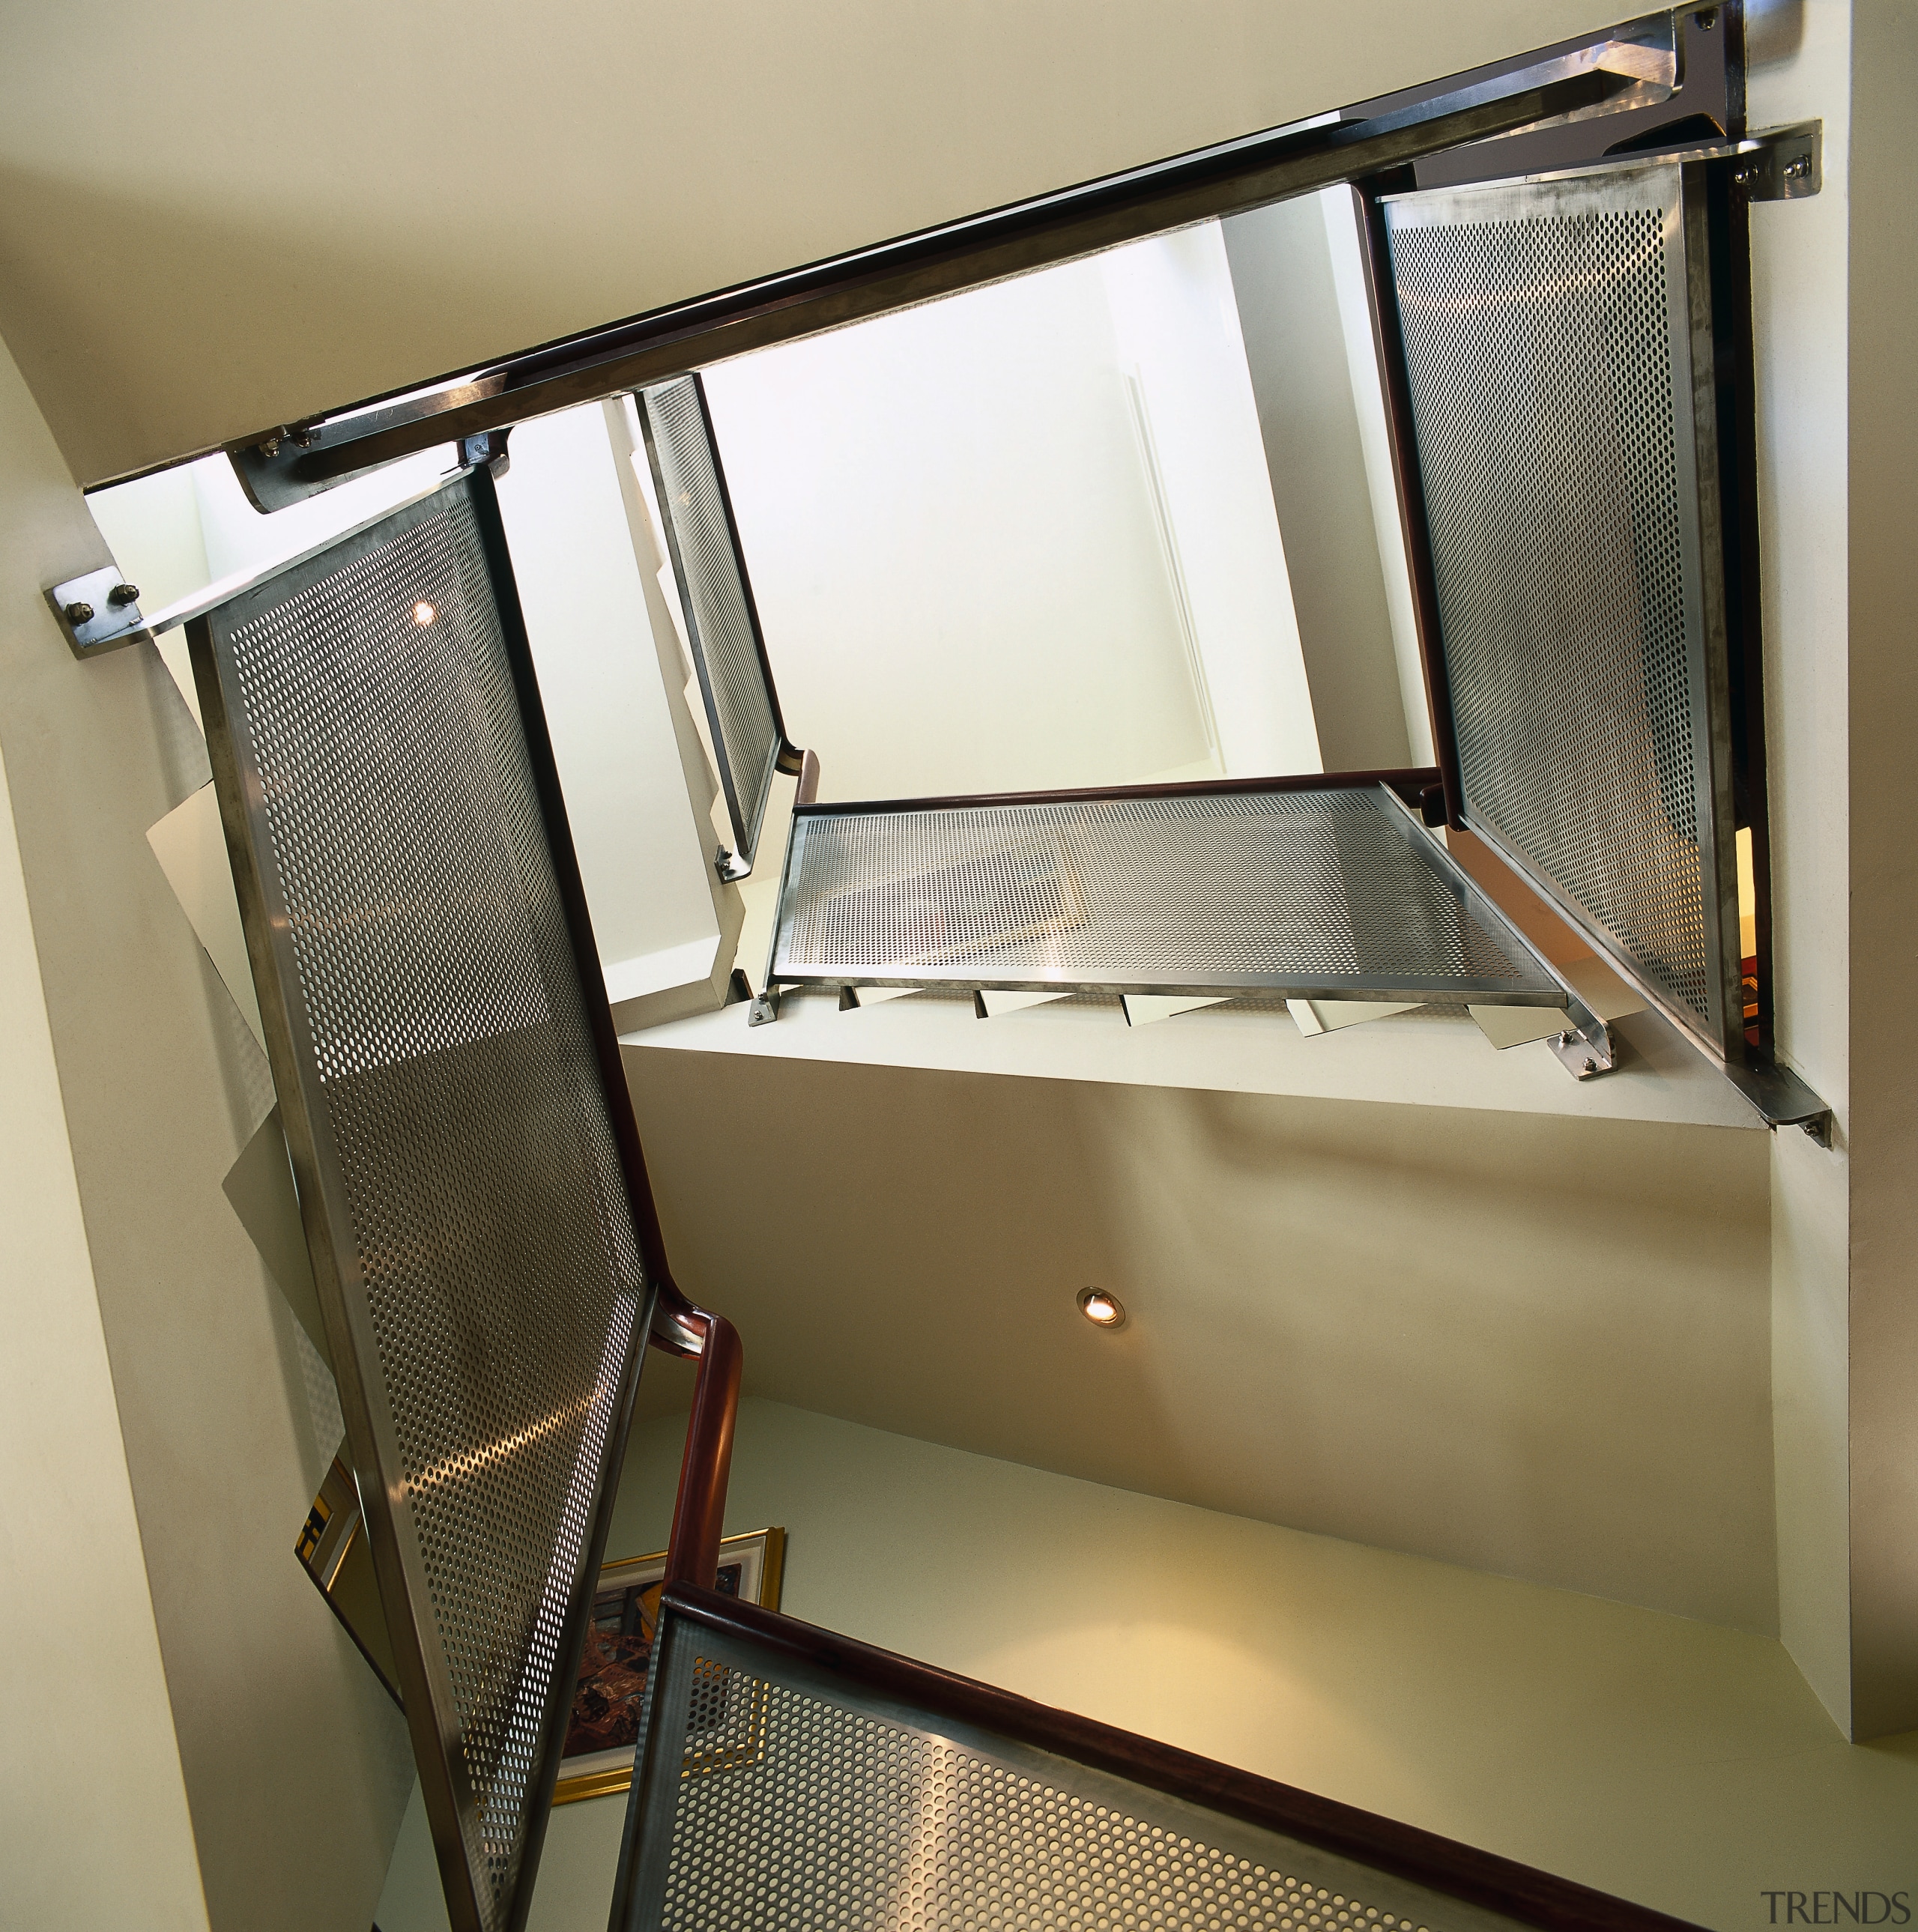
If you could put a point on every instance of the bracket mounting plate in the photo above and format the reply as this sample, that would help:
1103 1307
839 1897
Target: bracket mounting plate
99 612
1781 164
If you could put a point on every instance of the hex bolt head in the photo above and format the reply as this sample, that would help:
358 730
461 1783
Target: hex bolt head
79 614
123 594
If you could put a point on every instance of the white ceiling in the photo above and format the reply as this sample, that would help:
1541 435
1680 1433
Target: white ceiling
1536 1346
222 214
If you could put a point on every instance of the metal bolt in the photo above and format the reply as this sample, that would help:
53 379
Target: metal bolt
269 447
78 614
1745 176
1798 169
1565 1038
123 594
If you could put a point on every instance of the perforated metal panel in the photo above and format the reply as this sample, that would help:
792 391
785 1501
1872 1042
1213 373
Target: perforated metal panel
1337 892
380 758
781 1801
1557 347
716 596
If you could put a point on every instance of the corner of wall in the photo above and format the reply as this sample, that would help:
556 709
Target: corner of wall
280 1736
94 1833
1880 176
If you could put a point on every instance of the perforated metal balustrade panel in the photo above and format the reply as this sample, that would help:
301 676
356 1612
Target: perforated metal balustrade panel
773 1799
1332 893
1558 353
722 623
473 1237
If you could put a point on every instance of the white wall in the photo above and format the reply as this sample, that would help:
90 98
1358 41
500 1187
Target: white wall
1340 209
642 848
1024 538
1800 299
948 529
281 1739
1672 1763
1532 1343
1296 350
1176 321
643 856
88 1753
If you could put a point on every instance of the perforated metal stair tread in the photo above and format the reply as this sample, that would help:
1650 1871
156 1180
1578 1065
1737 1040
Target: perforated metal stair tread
1334 892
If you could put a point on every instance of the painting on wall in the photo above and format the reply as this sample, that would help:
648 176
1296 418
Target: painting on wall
604 1725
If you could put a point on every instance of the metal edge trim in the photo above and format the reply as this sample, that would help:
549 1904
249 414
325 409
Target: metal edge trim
762 791
1291 986
721 751
617 1098
653 1800
1603 944
1717 807
795 841
1761 143
1488 911
1420 776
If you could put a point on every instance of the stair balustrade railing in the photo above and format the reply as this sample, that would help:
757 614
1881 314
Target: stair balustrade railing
788 1779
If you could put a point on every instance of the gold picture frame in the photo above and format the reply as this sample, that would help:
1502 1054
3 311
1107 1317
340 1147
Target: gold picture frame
600 1740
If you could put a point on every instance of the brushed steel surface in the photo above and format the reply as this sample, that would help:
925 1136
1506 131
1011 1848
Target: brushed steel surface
1557 343
474 1243
1337 893
773 1796
722 624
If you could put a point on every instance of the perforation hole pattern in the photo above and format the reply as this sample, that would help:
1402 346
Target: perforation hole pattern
713 592
837 1822
1546 406
457 1075
1319 889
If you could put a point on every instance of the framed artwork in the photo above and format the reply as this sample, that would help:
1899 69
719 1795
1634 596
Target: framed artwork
619 1646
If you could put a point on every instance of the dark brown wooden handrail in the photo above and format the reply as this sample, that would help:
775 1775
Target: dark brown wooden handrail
809 778
699 1513
1063 226
1462 1871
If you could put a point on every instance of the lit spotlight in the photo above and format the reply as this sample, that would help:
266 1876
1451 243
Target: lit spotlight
424 613
1101 1309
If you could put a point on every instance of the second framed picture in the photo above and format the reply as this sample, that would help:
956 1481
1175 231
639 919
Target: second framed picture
619 1649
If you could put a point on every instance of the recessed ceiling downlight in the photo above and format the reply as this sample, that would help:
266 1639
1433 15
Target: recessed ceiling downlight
1103 1310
